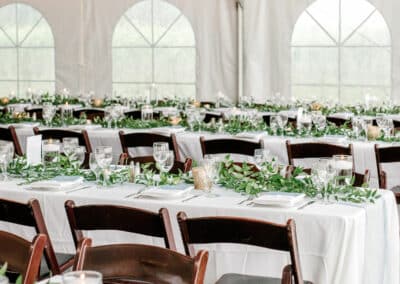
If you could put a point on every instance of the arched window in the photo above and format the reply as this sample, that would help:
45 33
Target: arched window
26 50
341 50
154 43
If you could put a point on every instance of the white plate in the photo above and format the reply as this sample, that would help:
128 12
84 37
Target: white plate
57 184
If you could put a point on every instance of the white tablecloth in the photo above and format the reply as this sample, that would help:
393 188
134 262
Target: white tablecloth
338 243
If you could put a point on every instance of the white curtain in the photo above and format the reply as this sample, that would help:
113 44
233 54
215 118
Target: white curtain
268 29
83 36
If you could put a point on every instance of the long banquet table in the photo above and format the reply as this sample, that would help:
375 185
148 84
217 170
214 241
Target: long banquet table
189 146
338 243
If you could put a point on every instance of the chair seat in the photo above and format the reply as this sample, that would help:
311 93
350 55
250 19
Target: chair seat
232 278
61 259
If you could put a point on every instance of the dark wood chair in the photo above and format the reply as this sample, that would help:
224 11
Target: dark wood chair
9 134
89 112
228 146
337 121
211 116
37 110
22 256
387 155
59 134
134 114
142 139
178 166
211 230
133 263
121 218
315 150
29 214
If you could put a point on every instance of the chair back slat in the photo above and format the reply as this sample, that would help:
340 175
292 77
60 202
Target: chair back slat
112 217
17 213
228 146
337 121
133 140
22 256
150 264
134 114
9 134
315 150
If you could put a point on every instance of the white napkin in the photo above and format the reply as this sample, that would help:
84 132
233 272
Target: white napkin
251 135
168 130
84 127
282 199
168 191
58 183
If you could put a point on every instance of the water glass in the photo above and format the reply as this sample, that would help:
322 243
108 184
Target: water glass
167 165
200 115
211 167
147 112
78 156
48 113
50 152
282 122
344 169
357 126
274 123
82 277
366 124
104 160
160 150
6 156
191 118
69 144
261 156
94 166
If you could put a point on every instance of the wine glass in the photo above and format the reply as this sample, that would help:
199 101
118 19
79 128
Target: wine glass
69 144
168 163
78 156
344 169
48 113
104 158
191 118
366 123
6 156
319 120
261 156
274 123
282 122
211 166
200 115
356 123
94 166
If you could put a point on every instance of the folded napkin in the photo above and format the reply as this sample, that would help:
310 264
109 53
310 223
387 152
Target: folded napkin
342 115
58 183
282 199
25 124
251 135
84 127
168 130
168 191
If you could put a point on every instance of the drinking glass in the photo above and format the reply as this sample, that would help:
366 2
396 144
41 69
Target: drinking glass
366 123
305 122
283 121
274 123
147 112
200 116
48 113
191 118
108 116
6 156
211 166
78 156
344 169
69 144
94 166
160 150
168 163
261 156
356 123
104 159
50 152
319 120
82 277
322 174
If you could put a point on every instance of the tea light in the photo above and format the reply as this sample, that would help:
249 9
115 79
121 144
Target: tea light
82 277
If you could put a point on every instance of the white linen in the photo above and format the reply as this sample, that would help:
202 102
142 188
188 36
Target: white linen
338 243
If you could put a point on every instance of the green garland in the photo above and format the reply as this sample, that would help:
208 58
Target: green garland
268 179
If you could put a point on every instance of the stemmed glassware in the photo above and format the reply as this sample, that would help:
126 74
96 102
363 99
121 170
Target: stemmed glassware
344 169
211 167
78 156
191 118
385 124
94 166
160 154
69 145
48 114
282 122
319 120
6 156
274 123
366 124
322 174
103 156
261 156
168 163
356 123
200 115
